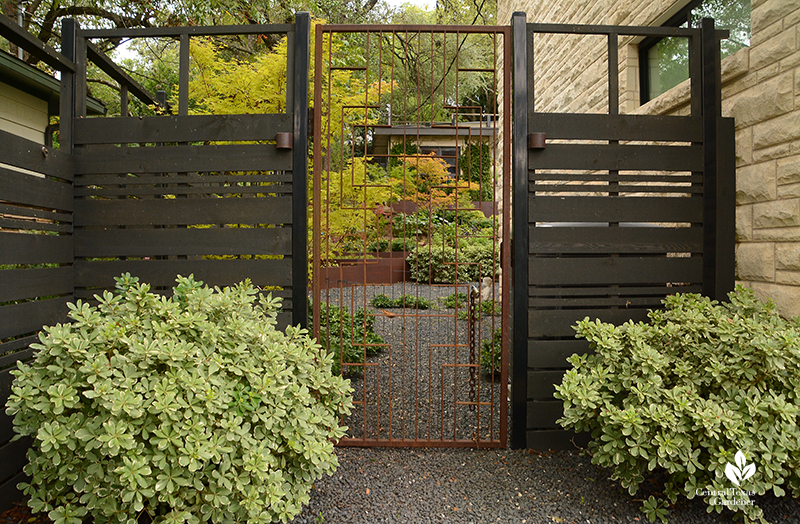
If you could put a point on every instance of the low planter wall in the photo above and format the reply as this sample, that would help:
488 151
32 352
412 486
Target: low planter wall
387 268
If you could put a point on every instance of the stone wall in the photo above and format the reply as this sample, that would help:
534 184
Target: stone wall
761 90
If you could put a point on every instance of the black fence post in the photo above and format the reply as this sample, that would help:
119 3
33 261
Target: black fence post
69 30
302 62
719 180
519 339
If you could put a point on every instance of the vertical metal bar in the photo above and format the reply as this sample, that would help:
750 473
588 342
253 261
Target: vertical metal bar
316 205
301 63
69 29
183 76
718 192
291 43
522 54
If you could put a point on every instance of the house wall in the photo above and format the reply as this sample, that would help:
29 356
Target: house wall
761 90
22 114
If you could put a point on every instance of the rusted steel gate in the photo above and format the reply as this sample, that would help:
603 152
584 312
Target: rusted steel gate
413 168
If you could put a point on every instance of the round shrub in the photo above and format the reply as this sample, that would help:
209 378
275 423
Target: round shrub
193 408
700 392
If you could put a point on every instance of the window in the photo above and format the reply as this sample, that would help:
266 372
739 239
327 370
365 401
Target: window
664 62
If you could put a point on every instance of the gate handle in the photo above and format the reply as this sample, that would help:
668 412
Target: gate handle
536 141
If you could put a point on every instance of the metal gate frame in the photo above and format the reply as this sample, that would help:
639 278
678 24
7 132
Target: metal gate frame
505 244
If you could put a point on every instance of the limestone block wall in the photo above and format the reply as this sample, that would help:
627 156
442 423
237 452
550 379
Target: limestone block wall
761 90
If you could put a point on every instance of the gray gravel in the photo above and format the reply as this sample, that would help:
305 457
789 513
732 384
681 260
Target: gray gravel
444 485
418 486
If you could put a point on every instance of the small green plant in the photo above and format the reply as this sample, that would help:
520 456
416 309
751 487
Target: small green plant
347 336
487 308
382 300
455 300
492 354
697 393
192 408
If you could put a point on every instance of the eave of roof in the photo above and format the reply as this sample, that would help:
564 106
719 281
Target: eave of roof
24 77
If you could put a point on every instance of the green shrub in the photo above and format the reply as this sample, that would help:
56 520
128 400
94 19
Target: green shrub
193 408
684 393
435 263
492 354
381 300
396 244
487 308
348 335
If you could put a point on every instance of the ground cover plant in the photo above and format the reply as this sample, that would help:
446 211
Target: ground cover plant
706 393
347 336
193 408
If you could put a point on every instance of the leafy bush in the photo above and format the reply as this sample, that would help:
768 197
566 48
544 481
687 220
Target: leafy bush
347 336
685 393
486 308
396 244
492 354
193 408
382 300
435 263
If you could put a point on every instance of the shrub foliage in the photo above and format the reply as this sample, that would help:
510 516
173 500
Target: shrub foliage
193 408
687 391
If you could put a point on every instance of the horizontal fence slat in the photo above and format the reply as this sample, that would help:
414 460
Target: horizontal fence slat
615 240
183 211
20 152
21 188
624 178
190 241
554 353
181 159
621 291
544 413
655 128
11 358
614 209
622 157
556 439
29 212
193 189
37 225
14 457
195 128
128 180
619 189
22 248
612 301
614 270
28 317
541 384
19 284
560 322
163 272
9 494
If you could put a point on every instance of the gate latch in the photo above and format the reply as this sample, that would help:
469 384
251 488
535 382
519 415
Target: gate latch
536 141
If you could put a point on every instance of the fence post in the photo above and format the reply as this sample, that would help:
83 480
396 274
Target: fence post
300 170
519 341
719 175
69 30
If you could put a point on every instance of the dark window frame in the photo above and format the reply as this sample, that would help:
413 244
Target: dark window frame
684 15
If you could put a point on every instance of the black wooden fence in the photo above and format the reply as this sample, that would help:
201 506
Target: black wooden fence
220 196
612 213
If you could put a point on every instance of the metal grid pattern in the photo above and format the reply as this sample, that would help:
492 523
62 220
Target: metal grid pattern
401 166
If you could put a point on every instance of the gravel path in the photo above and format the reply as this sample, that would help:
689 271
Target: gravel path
420 386
444 485
420 486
